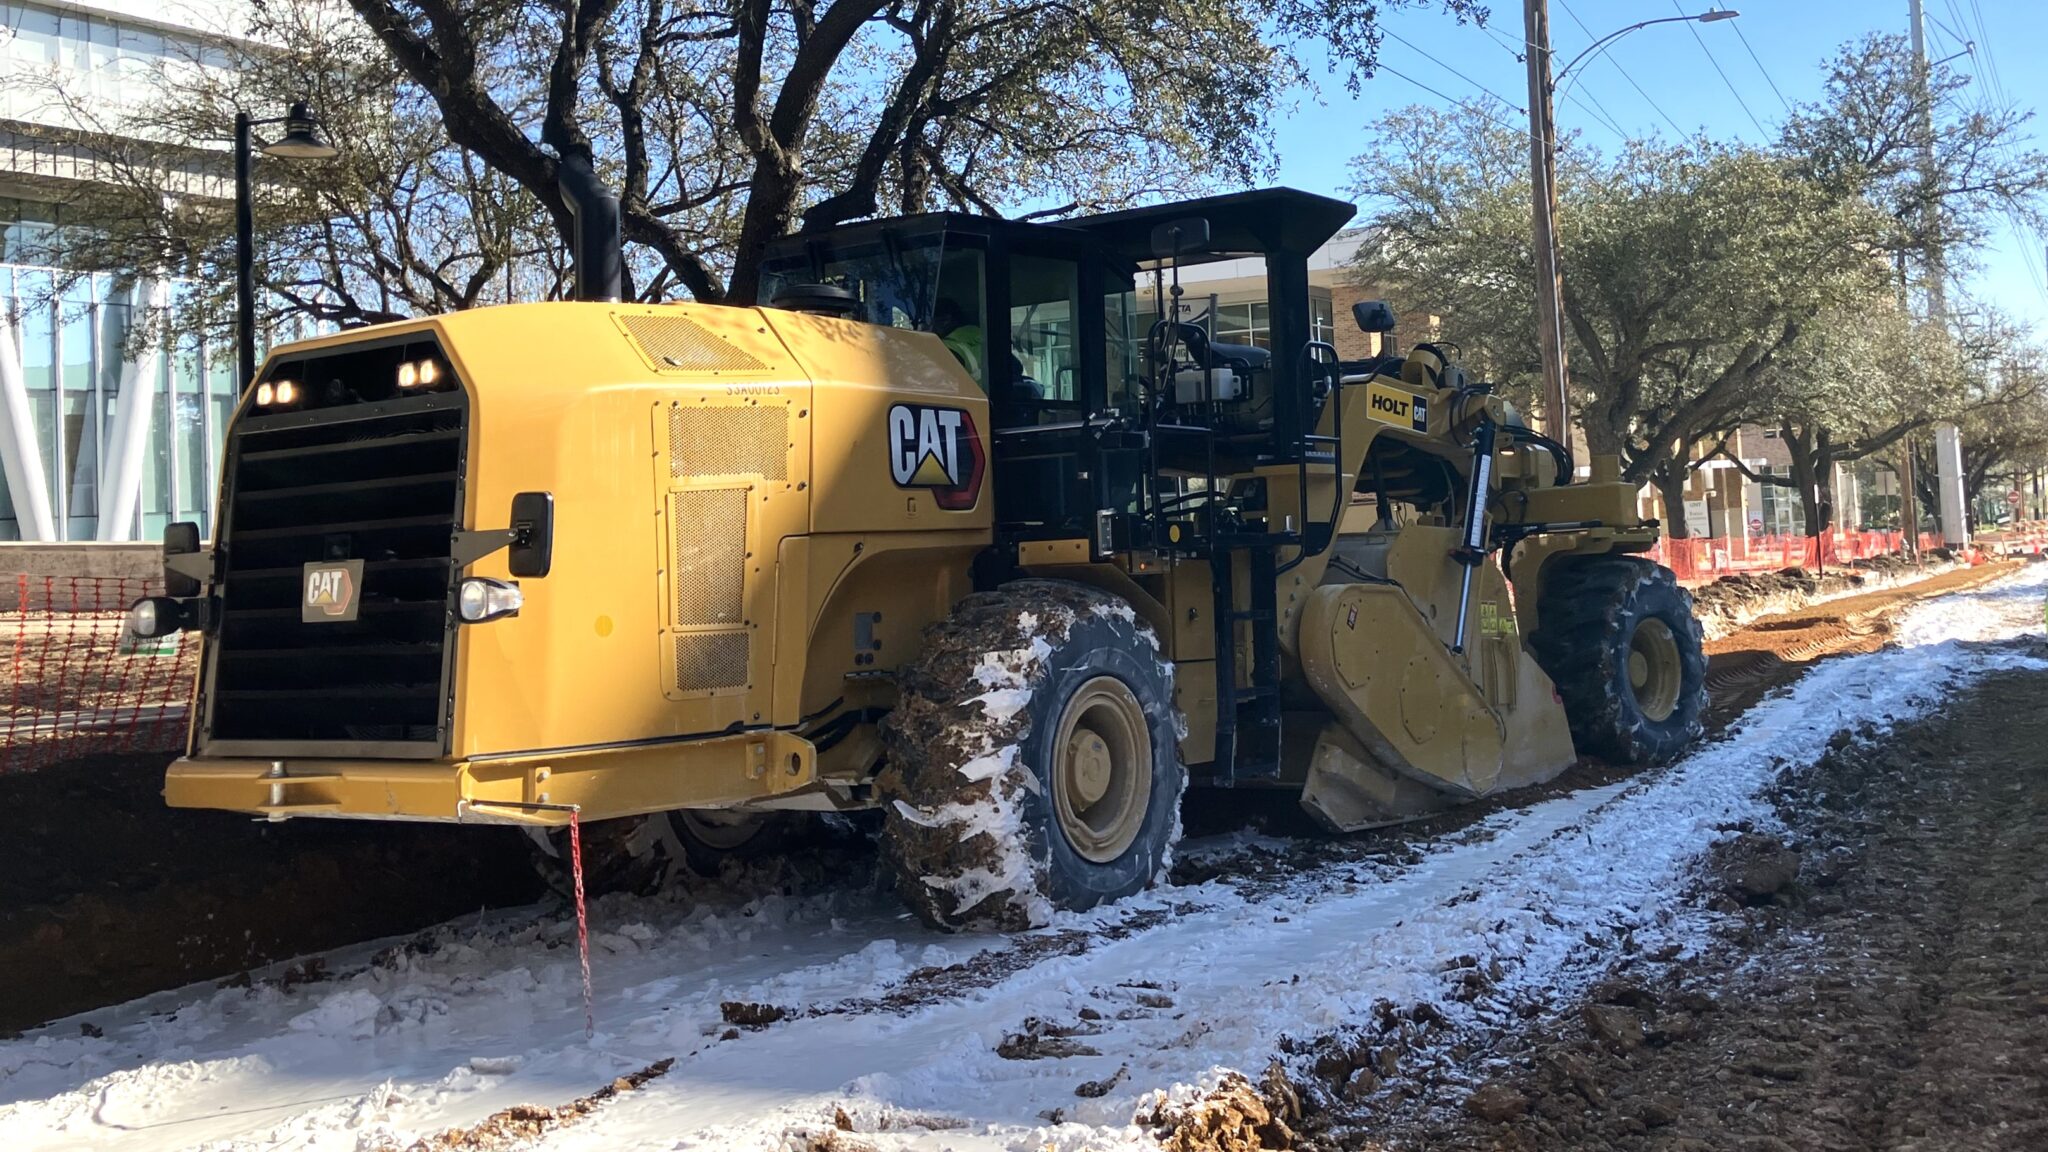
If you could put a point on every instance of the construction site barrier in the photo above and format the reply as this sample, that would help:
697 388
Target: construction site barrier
1701 559
2028 538
78 684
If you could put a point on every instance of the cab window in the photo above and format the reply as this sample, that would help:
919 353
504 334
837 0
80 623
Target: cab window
1040 378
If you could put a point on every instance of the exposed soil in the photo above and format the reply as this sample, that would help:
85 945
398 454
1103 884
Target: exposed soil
1728 603
523 1124
107 894
1880 981
1775 649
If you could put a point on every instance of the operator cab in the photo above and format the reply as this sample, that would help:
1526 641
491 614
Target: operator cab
1104 387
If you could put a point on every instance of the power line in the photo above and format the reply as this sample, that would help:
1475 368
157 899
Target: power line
1599 113
1453 71
1702 42
1595 109
1760 66
1938 22
2030 239
1658 108
1483 110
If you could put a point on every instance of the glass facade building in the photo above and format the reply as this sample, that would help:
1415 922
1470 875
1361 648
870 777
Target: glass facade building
73 346
74 369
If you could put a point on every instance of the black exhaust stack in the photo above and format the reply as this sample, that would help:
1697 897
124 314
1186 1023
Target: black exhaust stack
600 268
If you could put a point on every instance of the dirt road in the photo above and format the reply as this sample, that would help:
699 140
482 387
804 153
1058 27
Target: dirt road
1772 650
1877 978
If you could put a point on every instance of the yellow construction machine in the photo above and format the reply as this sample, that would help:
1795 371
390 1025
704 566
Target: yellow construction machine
976 523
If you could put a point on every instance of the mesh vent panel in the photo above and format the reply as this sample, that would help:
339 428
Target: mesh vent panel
679 344
750 441
710 533
711 660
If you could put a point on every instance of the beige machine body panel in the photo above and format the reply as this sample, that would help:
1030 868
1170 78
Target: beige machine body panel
1410 712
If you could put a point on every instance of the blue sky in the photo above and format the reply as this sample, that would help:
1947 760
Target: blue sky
1670 78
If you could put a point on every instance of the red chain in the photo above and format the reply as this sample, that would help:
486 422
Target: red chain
582 920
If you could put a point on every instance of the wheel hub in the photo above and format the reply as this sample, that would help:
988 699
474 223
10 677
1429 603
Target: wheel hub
1656 672
1092 768
1102 780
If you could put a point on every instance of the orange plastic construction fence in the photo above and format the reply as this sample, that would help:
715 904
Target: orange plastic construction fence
78 684
1697 560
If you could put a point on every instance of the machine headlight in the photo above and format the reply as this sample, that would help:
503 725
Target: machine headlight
481 598
154 616
280 393
418 373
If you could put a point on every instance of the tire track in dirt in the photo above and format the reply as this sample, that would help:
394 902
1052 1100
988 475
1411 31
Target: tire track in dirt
1773 651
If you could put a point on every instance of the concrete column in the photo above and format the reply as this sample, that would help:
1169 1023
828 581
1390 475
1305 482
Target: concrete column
20 455
1948 462
126 452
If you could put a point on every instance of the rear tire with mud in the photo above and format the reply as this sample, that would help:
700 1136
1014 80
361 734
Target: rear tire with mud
642 854
1033 759
1618 637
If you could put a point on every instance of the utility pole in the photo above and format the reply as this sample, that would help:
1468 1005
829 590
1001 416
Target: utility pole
1909 501
1556 420
1948 441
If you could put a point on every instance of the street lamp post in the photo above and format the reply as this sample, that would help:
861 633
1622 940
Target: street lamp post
301 141
1543 191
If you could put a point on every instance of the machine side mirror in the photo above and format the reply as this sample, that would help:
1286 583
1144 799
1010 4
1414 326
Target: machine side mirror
1373 316
532 551
1179 237
180 539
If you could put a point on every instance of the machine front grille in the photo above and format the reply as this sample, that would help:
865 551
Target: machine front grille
728 441
376 482
679 344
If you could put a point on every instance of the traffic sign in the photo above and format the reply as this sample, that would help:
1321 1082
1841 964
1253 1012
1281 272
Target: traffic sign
2013 497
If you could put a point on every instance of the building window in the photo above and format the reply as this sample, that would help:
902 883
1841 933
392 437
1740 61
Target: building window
156 479
1251 321
1780 508
188 427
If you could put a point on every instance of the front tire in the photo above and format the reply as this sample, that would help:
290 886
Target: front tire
1033 759
1618 636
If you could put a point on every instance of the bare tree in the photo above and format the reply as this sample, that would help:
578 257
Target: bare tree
401 223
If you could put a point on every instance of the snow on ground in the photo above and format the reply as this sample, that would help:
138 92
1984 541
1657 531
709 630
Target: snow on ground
394 1050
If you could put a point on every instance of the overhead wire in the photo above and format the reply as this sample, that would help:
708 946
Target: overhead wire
1647 99
1425 54
1702 42
1589 104
1991 99
1482 109
1980 50
1382 66
1760 66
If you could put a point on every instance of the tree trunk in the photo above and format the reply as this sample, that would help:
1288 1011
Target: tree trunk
1670 479
1809 479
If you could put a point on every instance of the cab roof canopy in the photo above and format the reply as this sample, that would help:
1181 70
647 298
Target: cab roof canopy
1240 224
1264 220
